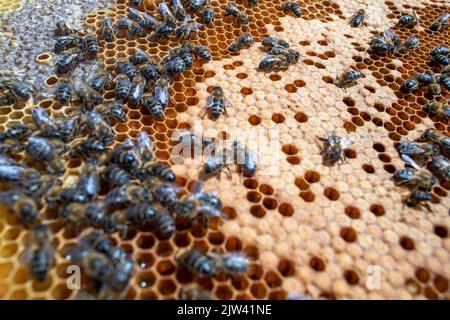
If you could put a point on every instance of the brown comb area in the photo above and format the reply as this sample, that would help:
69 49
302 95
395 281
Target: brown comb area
309 228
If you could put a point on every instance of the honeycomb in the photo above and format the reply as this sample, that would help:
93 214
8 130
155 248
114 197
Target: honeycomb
8 5
309 229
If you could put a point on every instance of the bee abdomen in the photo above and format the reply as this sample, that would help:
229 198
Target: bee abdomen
164 226
163 172
39 265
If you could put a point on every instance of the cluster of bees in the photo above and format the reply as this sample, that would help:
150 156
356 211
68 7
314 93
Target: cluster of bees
431 151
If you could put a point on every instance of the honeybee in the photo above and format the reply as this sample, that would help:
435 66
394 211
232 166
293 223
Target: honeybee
231 263
440 50
197 262
9 170
435 88
152 105
139 57
439 59
431 135
37 185
90 46
137 89
178 10
185 54
158 170
107 30
186 31
123 86
164 226
408 45
195 5
164 193
163 31
128 194
16 132
358 18
99 127
173 64
40 252
64 90
414 180
200 207
388 42
162 92
63 43
112 110
46 151
87 97
440 110
120 277
194 292
245 158
348 79
440 167
115 175
414 151
166 14
99 241
88 148
291 6
333 148
94 264
16 91
410 85
150 71
444 80
217 103
67 63
208 15
242 41
125 155
274 42
23 206
409 20
145 146
441 22
232 10
201 52
418 198
89 180
426 78
216 163
127 68
42 120
101 81
11 147
282 59
62 29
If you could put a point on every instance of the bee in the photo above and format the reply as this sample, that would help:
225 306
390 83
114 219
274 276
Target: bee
88 148
197 262
419 151
101 81
282 58
245 158
435 88
115 175
127 68
164 193
410 85
42 119
89 180
98 241
440 110
9 170
388 42
252 2
140 214
186 31
67 63
440 59
358 18
164 226
440 23
138 86
242 41
63 43
162 92
440 167
201 52
439 50
379 46
185 54
150 71
87 97
241 17
410 44
17 132
107 30
208 15
444 80
426 78
112 110
414 181
123 86
128 194
163 31
68 129
41 252
173 65
135 31
231 263
90 46
94 264
57 196
409 20
139 57
217 162
19 91
217 102
36 184
348 79
418 197
166 14
121 275
333 148
136 3
194 209
125 155
44 150
160 171
145 146
22 205
99 127
274 42
293 7
11 147
431 135
195 5
178 10
64 90
194 292
152 105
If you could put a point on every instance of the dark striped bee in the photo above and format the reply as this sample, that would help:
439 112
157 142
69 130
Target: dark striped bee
358 18
145 146
136 3
418 198
90 46
162 92
231 263
17 132
208 15
152 105
245 158
164 226
409 20
87 97
64 90
135 31
123 86
414 151
88 148
42 119
99 127
23 206
217 103
125 155
120 278
94 264
279 58
387 43
178 10
444 80
185 54
68 129
160 171
138 86
440 167
439 50
62 29
408 45
107 30
293 7
186 31
139 215
425 78
197 262
194 292
166 14
150 71
65 42
139 57
232 10
115 175
348 79
333 148
242 41
46 151
194 209
441 22
127 68
410 85
195 5
271 42
435 88
101 81
18 91
440 110
37 185
433 136
173 64
67 63
89 180
218 161
11 147
162 31
164 193
440 59
201 52
128 194
9 170
40 252
412 180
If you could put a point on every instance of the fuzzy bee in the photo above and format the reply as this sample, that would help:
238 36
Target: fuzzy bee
271 42
418 198
152 105
162 92
126 68
40 252
409 20
128 194
282 59
291 6
138 87
440 167
412 180
440 59
195 5
408 45
218 161
125 155
46 151
244 40
139 57
208 15
150 71
440 110
62 29
389 42
63 43
232 10
90 46
107 30
42 120
115 175
197 262
173 64
145 146
123 86
440 50
441 22
231 263
89 180
88 148
410 85
18 91
162 31
433 136
161 171
413 152
94 264
164 226
166 14
333 148
217 103
101 81
23 206
9 170
17 132
185 54
358 18
348 79
426 78
164 193
444 80
187 30
178 10
138 215
201 52
99 127
67 63
64 90
194 209
245 158
119 280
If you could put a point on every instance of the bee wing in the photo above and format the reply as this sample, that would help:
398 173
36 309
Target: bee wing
410 161
209 101
143 52
347 141
227 102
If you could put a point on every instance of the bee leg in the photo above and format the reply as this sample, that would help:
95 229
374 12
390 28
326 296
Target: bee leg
229 176
205 113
